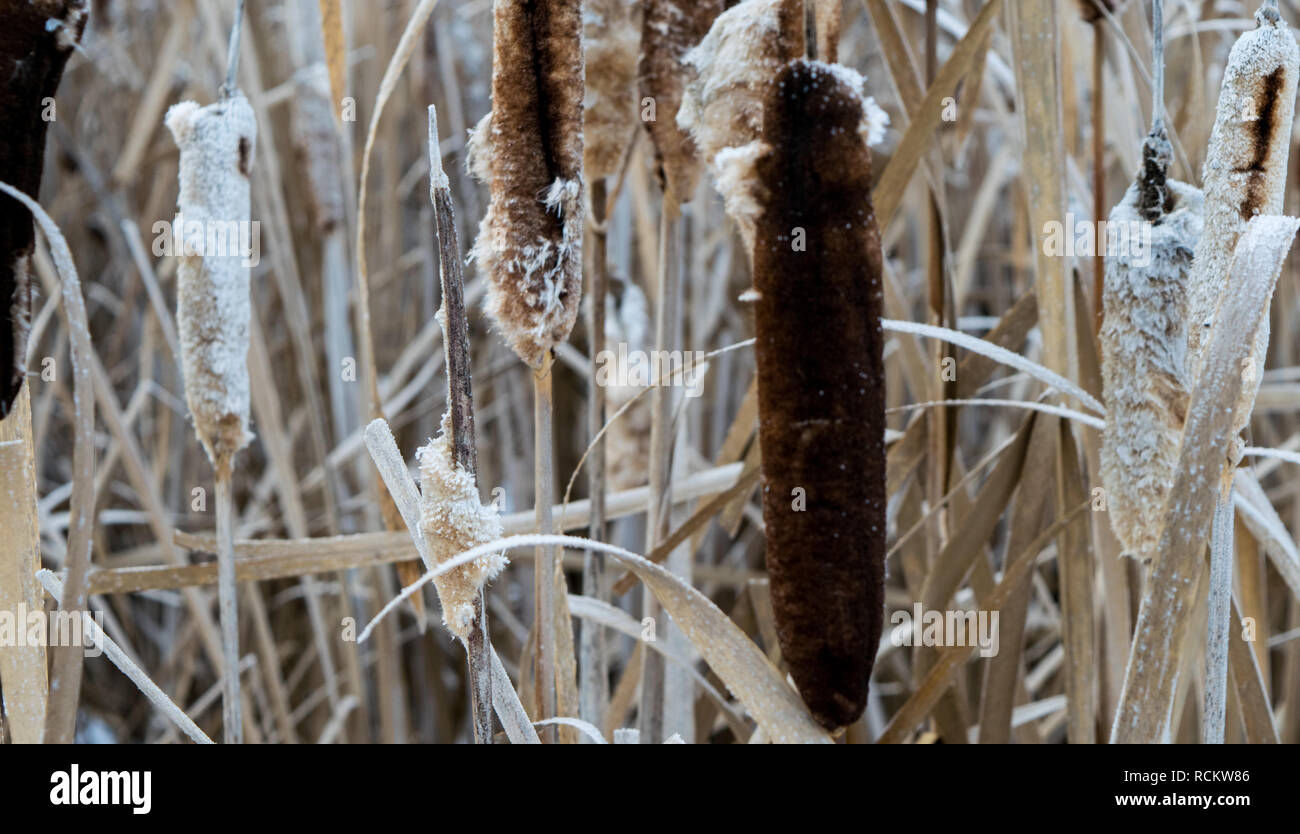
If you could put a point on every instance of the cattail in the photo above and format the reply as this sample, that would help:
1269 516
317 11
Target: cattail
529 151
38 38
828 18
1143 351
1144 334
216 144
820 380
611 36
452 521
1244 176
670 29
214 313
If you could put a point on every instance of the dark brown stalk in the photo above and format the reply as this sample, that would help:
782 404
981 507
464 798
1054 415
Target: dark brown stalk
821 388
36 39
460 403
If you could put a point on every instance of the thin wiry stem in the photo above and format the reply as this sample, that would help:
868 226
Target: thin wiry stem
232 56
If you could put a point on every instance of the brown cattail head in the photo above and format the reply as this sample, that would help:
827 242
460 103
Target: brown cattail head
529 150
828 18
1244 176
1143 354
612 34
670 28
821 383
36 38
213 307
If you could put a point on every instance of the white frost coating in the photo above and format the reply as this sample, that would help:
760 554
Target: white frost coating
1237 172
1144 346
453 521
216 154
437 174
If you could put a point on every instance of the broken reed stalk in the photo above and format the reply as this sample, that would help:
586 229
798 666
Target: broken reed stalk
529 149
213 319
460 405
24 680
38 39
819 349
65 680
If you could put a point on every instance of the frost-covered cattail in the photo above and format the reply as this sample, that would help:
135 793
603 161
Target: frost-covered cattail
611 35
452 521
1143 352
821 382
213 316
216 144
670 29
734 64
1144 336
38 36
529 151
1244 176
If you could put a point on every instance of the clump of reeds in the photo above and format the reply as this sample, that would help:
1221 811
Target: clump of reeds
529 150
821 384
1244 177
39 37
214 316
628 438
670 29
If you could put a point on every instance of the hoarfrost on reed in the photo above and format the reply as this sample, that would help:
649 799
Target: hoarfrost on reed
453 521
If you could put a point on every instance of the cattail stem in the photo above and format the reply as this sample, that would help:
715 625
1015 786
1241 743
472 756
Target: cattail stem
1218 622
661 443
593 683
460 404
546 558
232 721
1098 168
